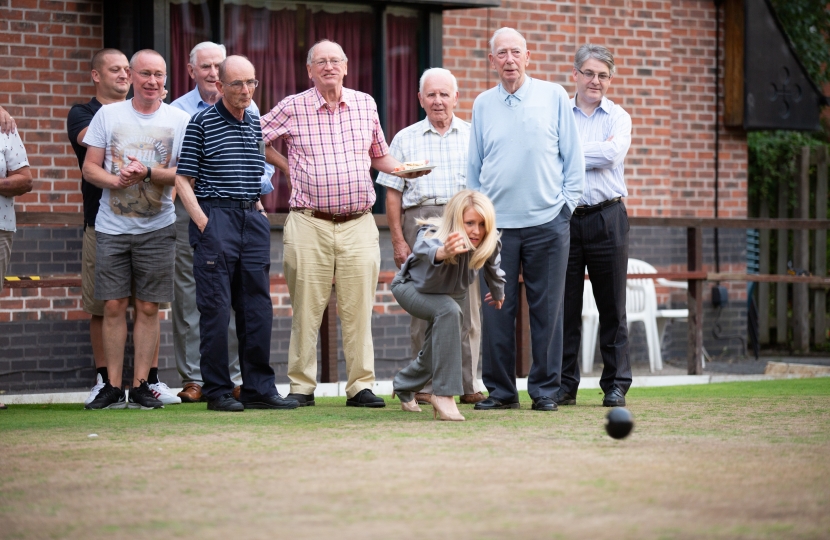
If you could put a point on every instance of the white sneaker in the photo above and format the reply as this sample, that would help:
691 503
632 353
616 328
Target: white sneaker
95 389
162 392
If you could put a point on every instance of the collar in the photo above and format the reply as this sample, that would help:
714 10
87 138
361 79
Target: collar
519 94
196 97
321 101
604 104
231 119
428 127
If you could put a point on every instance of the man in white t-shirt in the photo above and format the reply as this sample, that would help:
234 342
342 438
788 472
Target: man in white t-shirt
132 152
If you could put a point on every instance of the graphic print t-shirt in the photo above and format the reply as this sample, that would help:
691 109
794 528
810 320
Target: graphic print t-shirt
153 139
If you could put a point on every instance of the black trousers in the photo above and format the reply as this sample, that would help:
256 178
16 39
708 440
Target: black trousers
540 253
231 261
599 241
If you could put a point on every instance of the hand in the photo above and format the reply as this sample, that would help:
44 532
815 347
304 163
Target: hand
414 175
7 123
133 173
202 224
163 94
401 251
488 298
453 246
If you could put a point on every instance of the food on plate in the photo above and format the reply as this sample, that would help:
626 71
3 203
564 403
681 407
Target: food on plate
409 165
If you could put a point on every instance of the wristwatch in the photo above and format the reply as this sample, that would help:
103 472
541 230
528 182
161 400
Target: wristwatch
147 178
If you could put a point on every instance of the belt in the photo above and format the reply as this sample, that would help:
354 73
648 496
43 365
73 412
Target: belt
228 203
334 218
437 201
585 210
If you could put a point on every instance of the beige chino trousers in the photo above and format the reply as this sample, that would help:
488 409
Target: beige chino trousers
315 251
471 309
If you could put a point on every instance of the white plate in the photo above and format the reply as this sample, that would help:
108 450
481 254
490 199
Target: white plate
418 169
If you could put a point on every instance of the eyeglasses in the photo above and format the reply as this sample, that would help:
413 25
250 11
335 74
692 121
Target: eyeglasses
237 85
147 74
603 77
335 62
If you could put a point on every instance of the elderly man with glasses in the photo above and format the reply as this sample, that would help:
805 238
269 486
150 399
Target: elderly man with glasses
218 181
599 230
334 138
203 68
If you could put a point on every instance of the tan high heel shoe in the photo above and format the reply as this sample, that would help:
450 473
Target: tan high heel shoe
444 407
408 406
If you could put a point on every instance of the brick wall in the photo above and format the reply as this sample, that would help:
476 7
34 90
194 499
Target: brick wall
45 47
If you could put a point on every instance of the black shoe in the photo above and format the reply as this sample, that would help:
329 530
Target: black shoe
564 398
544 403
225 403
270 402
614 398
302 399
492 404
109 397
143 398
366 398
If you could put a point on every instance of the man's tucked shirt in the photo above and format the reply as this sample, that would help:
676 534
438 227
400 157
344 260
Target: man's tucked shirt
603 158
192 103
223 154
448 152
329 151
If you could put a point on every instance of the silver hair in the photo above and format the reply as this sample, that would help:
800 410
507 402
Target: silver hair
437 71
206 45
311 51
502 30
597 52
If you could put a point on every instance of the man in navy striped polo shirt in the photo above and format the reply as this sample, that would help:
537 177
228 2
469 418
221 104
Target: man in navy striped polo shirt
218 180
599 230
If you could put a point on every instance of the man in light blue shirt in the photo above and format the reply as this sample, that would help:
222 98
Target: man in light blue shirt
599 230
444 140
203 68
526 156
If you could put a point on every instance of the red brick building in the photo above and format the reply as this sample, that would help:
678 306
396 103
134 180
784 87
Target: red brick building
665 52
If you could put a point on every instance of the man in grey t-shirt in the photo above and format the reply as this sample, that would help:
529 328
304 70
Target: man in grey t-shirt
132 150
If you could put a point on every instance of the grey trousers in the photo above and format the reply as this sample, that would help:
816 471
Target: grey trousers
440 358
186 314
471 307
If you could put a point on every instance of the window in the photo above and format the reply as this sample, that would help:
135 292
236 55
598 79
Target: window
276 36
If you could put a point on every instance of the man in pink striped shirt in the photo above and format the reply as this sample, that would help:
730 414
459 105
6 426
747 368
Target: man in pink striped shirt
334 138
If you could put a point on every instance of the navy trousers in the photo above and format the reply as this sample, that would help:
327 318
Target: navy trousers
599 241
231 261
540 253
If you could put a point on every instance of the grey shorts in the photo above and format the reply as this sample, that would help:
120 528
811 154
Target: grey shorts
148 259
90 303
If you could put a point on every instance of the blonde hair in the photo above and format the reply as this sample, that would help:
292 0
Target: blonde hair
453 221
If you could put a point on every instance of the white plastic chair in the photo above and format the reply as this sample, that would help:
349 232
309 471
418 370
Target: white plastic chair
641 306
590 327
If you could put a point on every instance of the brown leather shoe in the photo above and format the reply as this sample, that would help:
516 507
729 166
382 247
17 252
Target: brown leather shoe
422 398
191 393
471 399
237 390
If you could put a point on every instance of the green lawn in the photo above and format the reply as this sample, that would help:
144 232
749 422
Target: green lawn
733 460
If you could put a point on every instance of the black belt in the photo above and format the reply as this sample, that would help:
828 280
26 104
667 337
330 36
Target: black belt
228 203
585 210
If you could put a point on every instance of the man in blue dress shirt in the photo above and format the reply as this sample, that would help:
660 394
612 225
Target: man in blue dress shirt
526 156
599 230
203 67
